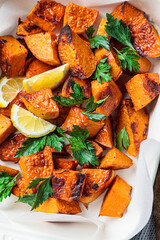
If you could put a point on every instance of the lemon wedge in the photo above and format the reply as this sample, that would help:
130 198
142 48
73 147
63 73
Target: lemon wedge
28 124
49 79
9 88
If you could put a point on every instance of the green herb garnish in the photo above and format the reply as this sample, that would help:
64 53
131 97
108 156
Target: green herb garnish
122 139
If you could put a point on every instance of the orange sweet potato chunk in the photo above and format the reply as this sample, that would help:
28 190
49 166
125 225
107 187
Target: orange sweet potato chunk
66 90
53 205
117 199
145 37
136 125
65 163
46 14
115 159
144 64
12 56
12 172
72 49
105 135
142 89
41 104
112 60
97 180
67 184
79 18
20 188
101 29
6 128
44 47
37 67
27 28
76 117
110 89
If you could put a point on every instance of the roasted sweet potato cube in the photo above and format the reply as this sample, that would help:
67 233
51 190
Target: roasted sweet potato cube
97 180
37 165
63 113
76 117
79 18
27 28
66 90
41 104
12 172
144 64
101 28
20 188
136 125
65 163
126 12
117 199
44 47
53 205
142 89
6 128
67 184
37 67
46 14
105 135
112 60
145 37
110 89
73 50
115 159
12 56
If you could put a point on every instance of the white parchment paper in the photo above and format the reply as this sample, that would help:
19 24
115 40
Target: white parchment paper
87 225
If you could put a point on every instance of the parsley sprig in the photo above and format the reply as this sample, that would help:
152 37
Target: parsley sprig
122 139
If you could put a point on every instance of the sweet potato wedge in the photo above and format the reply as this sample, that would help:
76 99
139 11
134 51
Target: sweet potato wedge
37 165
115 159
12 56
97 180
110 89
37 67
27 27
41 104
53 205
145 37
101 29
73 50
144 64
6 128
142 89
20 188
63 113
65 163
75 117
44 47
12 172
105 135
79 18
136 125
66 90
67 184
117 199
126 12
46 14
112 60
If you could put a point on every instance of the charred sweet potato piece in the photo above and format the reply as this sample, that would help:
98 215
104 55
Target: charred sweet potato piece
105 135
65 163
97 180
12 172
37 165
37 67
53 205
126 12
117 199
112 60
44 47
76 117
12 56
66 90
10 146
101 28
67 184
79 18
27 28
6 128
110 89
63 113
41 104
46 14
136 125
20 188
145 37
143 88
115 159
73 50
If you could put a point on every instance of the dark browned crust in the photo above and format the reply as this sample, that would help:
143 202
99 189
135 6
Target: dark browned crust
65 33
151 86
77 188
